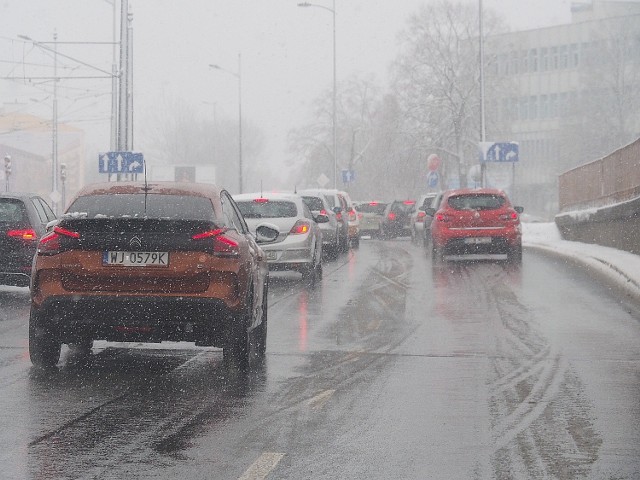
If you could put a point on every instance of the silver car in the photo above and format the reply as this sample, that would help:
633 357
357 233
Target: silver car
319 205
299 245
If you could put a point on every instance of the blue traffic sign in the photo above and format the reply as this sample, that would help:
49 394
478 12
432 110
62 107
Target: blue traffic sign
499 152
120 162
348 176
433 178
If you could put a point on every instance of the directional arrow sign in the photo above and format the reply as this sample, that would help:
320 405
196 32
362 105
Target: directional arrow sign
499 152
120 162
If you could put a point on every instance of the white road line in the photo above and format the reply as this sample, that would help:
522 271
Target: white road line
262 466
320 400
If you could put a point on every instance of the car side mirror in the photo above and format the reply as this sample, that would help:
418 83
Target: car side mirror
321 218
266 233
519 209
430 211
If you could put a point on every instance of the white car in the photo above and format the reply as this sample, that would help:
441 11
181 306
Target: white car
299 245
319 205
418 217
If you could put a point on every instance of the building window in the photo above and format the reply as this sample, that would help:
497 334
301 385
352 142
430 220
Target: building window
525 61
503 62
533 60
574 55
544 59
544 106
564 56
513 69
553 105
553 58
533 107
524 108
514 109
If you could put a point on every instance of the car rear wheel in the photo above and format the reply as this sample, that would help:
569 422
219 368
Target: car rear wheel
44 345
259 334
514 255
437 255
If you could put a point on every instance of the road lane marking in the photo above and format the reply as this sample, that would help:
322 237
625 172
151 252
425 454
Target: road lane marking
262 466
320 400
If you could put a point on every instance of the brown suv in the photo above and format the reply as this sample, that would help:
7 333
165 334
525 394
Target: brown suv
150 263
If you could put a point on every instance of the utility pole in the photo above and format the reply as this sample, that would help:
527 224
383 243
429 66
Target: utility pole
55 194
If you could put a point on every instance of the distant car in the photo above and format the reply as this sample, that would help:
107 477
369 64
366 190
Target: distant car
396 221
476 221
137 262
427 221
340 207
319 205
370 214
23 220
418 217
353 221
299 245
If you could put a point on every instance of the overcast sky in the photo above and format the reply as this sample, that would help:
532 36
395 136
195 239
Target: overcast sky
286 52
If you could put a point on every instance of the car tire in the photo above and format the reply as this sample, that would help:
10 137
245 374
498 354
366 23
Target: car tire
44 345
514 255
259 334
238 348
355 243
437 255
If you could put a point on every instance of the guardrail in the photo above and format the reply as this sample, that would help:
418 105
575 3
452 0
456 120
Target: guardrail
600 201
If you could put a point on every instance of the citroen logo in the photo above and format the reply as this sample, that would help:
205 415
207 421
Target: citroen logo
135 242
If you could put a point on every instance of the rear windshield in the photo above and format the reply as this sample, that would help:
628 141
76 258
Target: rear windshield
476 202
372 208
402 207
268 209
12 210
139 205
314 203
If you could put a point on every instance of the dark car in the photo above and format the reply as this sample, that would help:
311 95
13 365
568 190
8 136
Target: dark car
396 221
23 220
166 261
476 221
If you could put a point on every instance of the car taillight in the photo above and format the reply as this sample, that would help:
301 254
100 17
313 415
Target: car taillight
441 217
391 216
339 217
50 243
25 234
420 217
261 200
323 212
352 215
300 227
223 246
509 216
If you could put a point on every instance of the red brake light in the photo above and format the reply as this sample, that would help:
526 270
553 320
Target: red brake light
300 227
352 215
409 202
323 212
261 200
509 216
420 217
50 243
373 204
208 234
392 216
26 234
223 246
441 217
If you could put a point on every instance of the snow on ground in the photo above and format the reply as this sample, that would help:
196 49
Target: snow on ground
617 266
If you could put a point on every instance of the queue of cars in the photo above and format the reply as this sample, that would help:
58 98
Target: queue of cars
190 262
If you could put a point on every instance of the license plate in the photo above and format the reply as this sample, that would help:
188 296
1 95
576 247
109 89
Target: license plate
477 240
136 259
272 255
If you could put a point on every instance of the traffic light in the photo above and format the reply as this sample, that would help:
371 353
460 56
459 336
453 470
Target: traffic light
63 171
7 165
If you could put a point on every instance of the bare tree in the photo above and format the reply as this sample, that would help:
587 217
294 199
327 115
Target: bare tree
437 78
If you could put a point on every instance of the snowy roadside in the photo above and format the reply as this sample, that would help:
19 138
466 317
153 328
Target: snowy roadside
618 266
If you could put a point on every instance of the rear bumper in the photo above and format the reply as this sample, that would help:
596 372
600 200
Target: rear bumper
146 319
502 241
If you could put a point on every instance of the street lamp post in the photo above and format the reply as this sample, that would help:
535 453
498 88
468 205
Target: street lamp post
238 76
335 90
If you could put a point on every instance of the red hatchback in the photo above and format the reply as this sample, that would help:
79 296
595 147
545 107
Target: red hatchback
476 221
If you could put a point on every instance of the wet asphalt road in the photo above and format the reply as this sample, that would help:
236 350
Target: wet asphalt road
390 368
